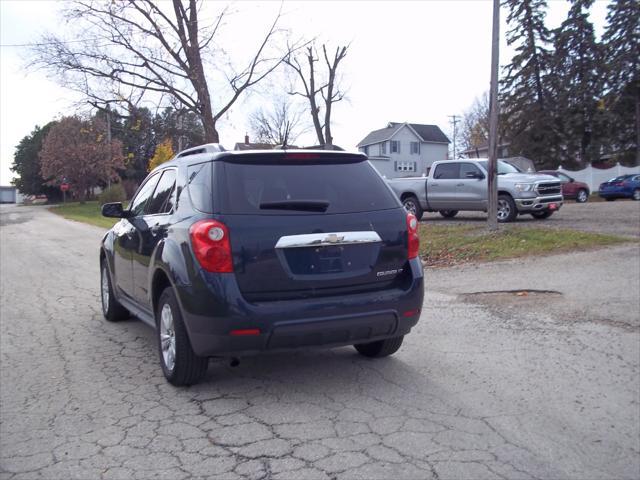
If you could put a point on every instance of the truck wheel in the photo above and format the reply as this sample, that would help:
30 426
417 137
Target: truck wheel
111 308
542 214
180 365
582 196
506 209
381 348
448 213
412 205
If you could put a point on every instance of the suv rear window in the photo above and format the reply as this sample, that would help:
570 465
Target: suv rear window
274 188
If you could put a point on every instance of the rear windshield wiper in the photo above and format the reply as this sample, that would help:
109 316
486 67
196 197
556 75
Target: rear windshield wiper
306 205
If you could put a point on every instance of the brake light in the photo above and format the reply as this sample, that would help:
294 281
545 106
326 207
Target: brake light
211 246
245 332
413 237
302 156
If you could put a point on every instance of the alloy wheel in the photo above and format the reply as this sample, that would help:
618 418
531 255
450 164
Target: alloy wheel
503 210
104 289
410 206
636 194
582 196
167 337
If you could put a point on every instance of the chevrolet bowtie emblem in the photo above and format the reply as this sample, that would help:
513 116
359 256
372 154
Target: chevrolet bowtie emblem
333 238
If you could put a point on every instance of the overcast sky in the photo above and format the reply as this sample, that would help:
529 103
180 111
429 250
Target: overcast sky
416 61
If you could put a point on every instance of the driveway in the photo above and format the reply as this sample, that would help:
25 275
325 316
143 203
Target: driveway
621 217
489 385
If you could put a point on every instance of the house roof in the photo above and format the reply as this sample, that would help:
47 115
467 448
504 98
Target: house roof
427 133
253 146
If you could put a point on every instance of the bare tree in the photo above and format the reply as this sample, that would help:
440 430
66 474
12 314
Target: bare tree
475 124
133 48
281 124
314 83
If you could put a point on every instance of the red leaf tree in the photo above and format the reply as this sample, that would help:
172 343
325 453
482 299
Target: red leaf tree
77 151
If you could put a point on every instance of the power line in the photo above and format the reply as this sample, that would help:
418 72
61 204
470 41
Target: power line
42 44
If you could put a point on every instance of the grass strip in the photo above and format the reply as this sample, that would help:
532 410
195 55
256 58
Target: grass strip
88 212
455 244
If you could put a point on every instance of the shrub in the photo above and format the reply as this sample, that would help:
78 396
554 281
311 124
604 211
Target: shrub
115 193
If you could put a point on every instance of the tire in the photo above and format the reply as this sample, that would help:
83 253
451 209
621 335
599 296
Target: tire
542 214
180 365
448 213
609 199
582 196
506 209
111 308
381 348
412 205
636 194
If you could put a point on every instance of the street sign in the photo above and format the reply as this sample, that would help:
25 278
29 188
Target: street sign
64 187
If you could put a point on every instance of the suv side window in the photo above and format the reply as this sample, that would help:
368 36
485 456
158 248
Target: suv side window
139 203
447 171
468 168
200 182
163 197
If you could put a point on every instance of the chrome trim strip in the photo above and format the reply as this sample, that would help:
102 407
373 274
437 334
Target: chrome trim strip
327 239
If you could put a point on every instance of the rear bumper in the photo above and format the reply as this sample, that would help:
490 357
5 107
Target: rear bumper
215 308
527 205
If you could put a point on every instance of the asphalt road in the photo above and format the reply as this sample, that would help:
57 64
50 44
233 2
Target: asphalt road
621 217
488 385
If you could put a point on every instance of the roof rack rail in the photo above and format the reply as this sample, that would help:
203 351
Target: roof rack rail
207 148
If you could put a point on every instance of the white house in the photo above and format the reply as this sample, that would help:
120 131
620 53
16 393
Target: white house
405 149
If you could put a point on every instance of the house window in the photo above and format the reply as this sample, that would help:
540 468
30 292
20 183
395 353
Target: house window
383 148
415 148
406 166
395 146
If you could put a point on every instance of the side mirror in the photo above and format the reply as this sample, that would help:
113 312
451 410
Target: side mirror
114 210
477 175
572 179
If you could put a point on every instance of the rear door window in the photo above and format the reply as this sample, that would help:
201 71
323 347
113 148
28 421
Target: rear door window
287 189
447 171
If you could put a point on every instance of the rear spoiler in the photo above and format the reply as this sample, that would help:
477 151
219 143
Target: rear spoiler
291 157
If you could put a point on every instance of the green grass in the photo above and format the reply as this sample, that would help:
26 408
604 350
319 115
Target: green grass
88 212
454 244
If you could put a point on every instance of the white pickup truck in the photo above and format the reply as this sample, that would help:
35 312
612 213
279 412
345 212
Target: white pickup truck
455 185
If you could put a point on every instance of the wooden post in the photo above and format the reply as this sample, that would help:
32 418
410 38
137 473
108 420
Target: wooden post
492 179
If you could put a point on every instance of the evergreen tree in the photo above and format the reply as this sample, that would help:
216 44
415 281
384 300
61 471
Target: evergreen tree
26 164
622 46
576 87
524 92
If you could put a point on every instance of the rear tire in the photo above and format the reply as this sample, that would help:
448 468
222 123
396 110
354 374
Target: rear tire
448 213
111 308
506 209
381 348
636 194
582 196
412 205
180 365
542 215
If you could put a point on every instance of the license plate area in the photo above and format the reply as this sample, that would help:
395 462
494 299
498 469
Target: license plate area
330 260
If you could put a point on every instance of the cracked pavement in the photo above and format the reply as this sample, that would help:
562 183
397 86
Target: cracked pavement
482 388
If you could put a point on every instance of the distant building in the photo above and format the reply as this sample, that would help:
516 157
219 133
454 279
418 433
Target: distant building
252 146
482 151
405 149
9 195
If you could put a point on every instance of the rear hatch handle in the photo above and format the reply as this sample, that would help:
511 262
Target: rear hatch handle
327 239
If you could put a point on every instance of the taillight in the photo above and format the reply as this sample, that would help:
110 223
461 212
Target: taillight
413 237
211 246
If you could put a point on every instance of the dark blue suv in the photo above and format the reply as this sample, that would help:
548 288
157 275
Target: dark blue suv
228 254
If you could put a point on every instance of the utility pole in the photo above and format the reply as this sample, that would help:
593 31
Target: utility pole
454 120
109 141
492 179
